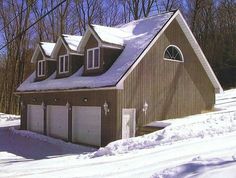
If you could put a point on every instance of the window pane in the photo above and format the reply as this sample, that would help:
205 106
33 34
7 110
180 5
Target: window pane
39 68
66 63
90 59
173 53
167 55
96 58
61 64
178 57
43 67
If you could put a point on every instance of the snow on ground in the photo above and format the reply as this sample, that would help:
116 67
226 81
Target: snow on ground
202 145
9 120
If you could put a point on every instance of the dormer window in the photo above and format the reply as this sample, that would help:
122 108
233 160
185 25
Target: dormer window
93 58
41 68
63 64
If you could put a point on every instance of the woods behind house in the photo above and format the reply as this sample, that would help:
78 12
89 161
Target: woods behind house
213 23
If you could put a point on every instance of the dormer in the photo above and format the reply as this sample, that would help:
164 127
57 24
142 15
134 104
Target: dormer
44 64
68 60
101 46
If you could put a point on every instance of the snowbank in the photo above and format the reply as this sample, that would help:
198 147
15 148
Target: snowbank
8 117
198 126
7 120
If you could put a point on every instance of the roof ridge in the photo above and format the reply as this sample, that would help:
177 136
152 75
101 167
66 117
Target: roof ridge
145 18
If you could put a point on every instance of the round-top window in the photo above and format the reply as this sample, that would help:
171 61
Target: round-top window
173 53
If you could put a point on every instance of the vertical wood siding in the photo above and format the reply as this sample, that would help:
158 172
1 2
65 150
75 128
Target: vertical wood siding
94 98
171 89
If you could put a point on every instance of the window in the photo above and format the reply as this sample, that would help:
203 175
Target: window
63 64
41 68
173 53
93 58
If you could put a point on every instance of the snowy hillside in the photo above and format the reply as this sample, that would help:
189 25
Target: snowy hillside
202 145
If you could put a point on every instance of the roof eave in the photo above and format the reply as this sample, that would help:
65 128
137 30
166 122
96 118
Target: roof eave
60 41
112 87
36 51
198 51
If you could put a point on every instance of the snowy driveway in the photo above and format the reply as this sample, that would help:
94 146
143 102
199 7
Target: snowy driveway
29 148
196 146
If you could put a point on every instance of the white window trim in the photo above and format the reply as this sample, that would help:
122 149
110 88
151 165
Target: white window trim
93 49
64 64
42 71
173 60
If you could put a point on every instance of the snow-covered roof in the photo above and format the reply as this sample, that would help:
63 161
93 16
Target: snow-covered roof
72 41
137 36
110 34
47 47
134 35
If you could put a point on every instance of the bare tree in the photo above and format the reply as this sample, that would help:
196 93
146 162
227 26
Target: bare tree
15 56
88 12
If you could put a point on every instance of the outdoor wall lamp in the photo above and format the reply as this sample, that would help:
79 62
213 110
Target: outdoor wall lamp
43 105
34 99
85 100
106 108
145 107
22 104
68 106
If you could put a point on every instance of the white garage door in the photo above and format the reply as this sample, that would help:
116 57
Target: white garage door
57 121
35 118
86 125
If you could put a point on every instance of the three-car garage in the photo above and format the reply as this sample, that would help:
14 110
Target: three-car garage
83 124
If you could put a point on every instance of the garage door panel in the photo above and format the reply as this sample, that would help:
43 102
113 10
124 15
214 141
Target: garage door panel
35 117
57 117
86 125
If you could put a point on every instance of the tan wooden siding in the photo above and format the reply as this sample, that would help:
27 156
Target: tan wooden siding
171 89
94 98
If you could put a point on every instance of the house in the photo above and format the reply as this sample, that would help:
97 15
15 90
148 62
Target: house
113 81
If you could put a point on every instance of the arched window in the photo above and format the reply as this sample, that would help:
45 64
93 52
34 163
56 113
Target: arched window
172 52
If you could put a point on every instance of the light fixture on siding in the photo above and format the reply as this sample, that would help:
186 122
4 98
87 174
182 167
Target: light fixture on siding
43 105
145 107
106 108
85 100
34 99
22 104
68 105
